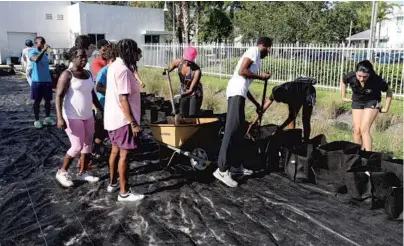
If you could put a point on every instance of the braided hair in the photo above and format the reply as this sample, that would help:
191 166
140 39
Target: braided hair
127 51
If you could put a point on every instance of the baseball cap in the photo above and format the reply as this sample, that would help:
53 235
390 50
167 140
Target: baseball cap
29 43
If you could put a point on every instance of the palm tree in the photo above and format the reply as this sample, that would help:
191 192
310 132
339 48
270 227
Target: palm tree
198 9
178 22
185 21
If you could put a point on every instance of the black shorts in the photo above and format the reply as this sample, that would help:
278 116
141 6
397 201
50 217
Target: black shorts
99 132
373 104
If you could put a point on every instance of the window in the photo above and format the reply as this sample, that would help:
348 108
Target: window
152 39
96 37
48 16
400 23
383 43
60 17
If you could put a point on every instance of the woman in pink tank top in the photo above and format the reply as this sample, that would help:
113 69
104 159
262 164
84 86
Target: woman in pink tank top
74 99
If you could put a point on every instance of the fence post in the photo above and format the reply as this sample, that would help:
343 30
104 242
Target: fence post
342 62
291 62
218 49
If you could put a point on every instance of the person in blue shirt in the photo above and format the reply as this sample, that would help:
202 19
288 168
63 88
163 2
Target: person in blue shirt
100 134
41 87
101 83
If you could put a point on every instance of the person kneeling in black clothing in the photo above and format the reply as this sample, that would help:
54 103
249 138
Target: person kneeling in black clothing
296 94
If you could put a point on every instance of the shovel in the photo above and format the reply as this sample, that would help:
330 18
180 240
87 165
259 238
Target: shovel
177 118
264 94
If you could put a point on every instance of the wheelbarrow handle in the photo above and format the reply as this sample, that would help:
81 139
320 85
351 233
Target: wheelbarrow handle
188 154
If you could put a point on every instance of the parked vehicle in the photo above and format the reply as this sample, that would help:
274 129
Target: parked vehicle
359 56
390 57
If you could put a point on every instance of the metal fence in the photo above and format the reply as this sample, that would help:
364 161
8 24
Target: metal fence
327 63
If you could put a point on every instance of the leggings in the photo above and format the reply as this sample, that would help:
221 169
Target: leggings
190 106
80 133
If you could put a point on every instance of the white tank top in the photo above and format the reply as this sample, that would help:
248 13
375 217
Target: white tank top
78 101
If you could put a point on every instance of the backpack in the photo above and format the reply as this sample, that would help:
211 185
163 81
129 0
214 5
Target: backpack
309 80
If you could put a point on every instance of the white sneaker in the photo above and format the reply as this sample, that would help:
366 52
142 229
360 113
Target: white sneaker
225 177
241 170
113 188
48 121
130 197
64 179
88 177
37 124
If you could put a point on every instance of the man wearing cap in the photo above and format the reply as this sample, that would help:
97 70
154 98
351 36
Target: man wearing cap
296 94
230 156
190 79
26 63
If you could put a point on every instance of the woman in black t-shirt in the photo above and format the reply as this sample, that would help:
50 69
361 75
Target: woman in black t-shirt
366 88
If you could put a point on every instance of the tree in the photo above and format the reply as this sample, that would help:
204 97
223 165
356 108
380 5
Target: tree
254 19
178 22
198 9
215 26
185 21
314 22
116 3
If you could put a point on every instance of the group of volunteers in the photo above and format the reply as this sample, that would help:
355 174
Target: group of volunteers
91 112
366 88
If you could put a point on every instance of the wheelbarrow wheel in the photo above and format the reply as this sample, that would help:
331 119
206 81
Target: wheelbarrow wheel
199 165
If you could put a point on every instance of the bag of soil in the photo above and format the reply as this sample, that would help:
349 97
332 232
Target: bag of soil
298 161
331 162
277 146
393 165
394 203
371 181
255 145
357 178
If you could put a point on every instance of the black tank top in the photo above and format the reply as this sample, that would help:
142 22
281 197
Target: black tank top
186 80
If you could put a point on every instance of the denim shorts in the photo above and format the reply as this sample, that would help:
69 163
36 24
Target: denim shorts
41 90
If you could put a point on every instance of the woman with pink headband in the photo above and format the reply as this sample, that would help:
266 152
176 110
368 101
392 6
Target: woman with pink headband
190 79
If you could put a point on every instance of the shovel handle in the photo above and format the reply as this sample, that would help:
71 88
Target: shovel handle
264 94
171 92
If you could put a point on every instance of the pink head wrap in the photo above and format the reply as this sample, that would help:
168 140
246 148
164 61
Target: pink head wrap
190 53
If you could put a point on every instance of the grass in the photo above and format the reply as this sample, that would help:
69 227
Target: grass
387 131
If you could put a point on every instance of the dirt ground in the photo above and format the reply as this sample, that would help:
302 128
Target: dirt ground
178 209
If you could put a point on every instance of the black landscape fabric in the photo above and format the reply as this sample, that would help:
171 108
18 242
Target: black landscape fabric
178 210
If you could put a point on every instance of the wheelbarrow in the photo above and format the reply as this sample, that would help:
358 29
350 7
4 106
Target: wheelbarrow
198 139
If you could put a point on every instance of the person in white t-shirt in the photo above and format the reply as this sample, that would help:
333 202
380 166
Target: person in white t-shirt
237 91
25 61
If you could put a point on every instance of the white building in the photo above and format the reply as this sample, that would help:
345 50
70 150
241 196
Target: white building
389 32
60 22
